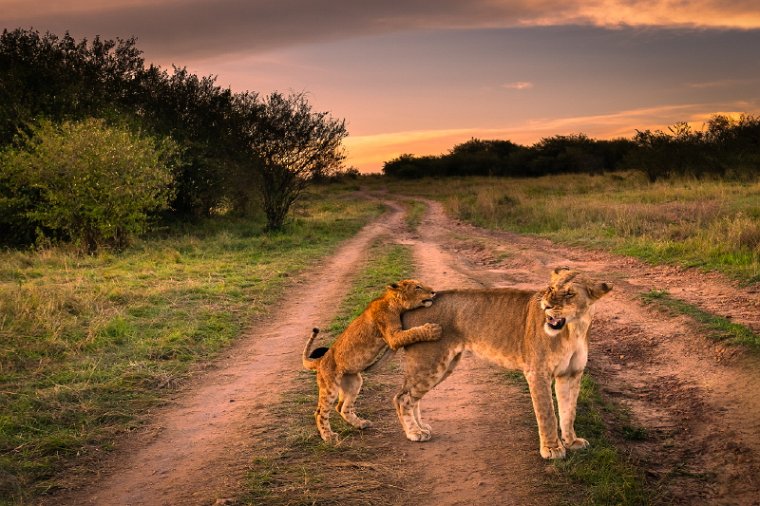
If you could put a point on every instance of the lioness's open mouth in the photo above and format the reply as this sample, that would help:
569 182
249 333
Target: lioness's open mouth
555 323
427 302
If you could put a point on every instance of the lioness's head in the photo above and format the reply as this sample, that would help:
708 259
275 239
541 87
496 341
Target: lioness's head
569 297
412 293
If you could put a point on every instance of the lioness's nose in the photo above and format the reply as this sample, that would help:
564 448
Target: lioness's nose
432 294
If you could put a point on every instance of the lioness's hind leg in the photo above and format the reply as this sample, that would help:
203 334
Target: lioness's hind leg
350 386
420 378
416 410
425 427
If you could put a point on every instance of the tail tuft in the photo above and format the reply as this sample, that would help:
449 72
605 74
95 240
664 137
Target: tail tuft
309 362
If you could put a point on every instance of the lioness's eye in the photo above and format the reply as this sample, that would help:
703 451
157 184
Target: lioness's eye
419 287
569 295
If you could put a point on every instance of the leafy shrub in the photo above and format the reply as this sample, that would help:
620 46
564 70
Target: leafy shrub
94 184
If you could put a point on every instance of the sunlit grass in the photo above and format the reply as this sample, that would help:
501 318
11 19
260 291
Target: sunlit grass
713 225
603 472
717 327
88 343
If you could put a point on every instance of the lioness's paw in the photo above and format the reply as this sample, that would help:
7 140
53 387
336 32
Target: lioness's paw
363 424
549 452
419 436
578 444
434 330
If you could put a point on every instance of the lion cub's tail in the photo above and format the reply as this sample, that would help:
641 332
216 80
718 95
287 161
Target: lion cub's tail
311 359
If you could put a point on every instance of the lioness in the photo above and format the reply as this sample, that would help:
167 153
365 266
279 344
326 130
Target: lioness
544 334
364 342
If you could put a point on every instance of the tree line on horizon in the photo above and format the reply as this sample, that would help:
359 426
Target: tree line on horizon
725 147
81 121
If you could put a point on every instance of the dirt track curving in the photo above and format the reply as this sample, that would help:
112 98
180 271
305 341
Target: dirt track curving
695 398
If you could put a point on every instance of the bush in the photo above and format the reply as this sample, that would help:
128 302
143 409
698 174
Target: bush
93 184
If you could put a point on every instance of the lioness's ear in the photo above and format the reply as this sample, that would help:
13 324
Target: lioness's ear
392 286
597 290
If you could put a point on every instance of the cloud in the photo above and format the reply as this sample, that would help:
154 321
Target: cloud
518 85
721 83
179 28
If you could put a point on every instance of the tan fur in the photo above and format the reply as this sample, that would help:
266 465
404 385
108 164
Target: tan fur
364 343
509 327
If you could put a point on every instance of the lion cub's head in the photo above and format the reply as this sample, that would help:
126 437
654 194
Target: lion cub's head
569 298
411 293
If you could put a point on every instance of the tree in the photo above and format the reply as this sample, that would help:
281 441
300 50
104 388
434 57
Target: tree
43 76
86 181
293 144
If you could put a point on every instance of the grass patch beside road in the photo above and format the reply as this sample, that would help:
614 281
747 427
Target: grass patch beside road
602 473
607 475
89 344
717 327
713 225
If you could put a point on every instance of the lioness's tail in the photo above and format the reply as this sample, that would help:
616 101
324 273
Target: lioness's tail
311 358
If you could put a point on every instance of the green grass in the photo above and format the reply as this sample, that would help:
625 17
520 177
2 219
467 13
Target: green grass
712 225
88 344
606 473
715 326
297 467
415 212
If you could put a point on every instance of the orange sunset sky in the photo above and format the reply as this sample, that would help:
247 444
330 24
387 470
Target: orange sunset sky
418 76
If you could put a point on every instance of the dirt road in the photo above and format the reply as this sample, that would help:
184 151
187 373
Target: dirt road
695 399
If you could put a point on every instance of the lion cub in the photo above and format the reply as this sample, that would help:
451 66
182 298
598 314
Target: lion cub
364 342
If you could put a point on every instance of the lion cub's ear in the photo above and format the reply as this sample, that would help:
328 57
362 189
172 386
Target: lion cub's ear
597 290
392 286
556 273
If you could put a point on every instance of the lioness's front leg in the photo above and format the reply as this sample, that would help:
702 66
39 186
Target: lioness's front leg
398 338
567 389
541 394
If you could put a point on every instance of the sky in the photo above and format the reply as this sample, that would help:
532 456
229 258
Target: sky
420 76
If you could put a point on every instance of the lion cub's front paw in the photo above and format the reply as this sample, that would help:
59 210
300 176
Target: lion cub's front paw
433 330
549 452
578 444
330 437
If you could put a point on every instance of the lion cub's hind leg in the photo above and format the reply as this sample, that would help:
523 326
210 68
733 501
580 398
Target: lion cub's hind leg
350 385
328 393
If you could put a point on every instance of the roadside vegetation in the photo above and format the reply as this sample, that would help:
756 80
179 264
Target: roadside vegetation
709 224
717 327
296 466
86 123
415 210
725 146
91 343
605 472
